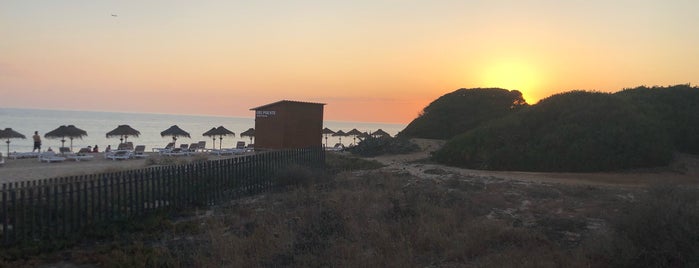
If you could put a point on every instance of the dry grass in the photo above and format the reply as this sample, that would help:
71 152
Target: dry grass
382 219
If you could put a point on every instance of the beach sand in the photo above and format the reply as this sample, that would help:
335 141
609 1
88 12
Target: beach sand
685 169
31 169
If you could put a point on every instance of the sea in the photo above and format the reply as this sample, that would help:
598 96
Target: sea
97 124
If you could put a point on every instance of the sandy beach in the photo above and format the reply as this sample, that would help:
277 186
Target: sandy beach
31 169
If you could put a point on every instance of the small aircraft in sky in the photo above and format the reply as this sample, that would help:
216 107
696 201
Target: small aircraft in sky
114 15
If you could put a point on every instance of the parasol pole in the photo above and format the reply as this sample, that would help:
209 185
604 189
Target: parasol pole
8 147
220 141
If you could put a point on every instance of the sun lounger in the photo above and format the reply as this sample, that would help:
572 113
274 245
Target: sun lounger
239 148
193 149
118 155
202 146
175 152
64 150
337 148
126 146
49 157
79 156
139 152
167 147
16 155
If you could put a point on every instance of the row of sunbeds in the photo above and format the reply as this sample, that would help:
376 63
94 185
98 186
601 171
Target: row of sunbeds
128 151
200 147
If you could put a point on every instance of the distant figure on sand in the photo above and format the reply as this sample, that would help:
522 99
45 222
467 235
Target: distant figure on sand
109 148
49 150
95 150
37 142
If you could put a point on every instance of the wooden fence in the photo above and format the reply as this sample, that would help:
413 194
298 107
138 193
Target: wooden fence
61 208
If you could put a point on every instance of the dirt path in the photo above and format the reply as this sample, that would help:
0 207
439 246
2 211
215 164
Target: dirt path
407 163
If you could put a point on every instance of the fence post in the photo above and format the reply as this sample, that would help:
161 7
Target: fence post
5 231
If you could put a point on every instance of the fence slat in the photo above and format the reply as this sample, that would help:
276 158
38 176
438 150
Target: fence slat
57 208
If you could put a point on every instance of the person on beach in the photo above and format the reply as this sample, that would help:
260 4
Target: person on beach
49 150
37 142
109 148
95 150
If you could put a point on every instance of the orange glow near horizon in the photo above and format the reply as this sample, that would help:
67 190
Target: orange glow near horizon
373 61
513 75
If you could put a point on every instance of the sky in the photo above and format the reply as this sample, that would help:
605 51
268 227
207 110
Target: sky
368 60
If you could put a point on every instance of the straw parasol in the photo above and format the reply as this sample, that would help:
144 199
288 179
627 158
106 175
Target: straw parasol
211 133
71 132
325 132
123 132
340 134
354 133
8 134
248 133
174 132
363 136
380 133
220 131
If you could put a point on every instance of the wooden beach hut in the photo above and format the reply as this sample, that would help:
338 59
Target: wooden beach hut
288 125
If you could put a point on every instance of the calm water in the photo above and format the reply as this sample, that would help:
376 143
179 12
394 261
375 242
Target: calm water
97 124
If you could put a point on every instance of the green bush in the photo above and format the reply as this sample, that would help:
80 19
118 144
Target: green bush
462 110
383 145
574 131
335 163
676 107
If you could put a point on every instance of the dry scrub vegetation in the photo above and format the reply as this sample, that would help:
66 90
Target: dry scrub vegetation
374 218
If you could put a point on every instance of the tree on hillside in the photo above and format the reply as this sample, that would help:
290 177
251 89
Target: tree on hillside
573 131
463 110
676 107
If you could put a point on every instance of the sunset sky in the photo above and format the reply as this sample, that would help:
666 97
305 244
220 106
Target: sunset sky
372 61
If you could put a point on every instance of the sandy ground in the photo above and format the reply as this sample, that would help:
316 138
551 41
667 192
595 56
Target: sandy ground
31 169
684 170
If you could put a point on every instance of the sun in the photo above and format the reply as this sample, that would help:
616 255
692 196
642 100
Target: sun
513 75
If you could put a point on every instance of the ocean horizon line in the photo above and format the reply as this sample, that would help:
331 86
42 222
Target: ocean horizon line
185 114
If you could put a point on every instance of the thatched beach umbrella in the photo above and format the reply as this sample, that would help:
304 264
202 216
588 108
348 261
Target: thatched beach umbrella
354 133
71 132
380 133
248 133
220 132
8 134
363 136
175 132
211 133
123 132
340 134
325 132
